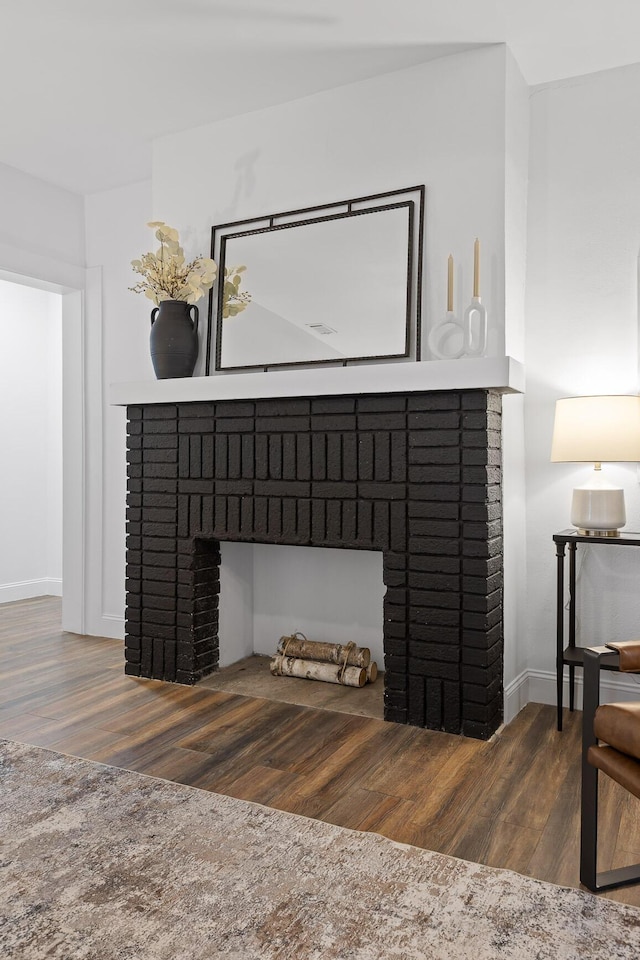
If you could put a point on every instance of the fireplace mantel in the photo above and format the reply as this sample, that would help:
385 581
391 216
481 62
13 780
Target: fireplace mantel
502 374
401 458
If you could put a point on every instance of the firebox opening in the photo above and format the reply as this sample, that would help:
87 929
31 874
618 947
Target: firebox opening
268 591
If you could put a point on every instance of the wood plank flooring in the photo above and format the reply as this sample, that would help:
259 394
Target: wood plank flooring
512 802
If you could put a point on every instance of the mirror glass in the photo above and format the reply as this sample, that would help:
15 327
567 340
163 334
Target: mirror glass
334 288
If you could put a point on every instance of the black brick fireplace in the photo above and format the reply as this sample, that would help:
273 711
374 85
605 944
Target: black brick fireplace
416 476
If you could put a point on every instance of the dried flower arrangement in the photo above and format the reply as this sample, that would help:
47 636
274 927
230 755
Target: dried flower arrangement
167 274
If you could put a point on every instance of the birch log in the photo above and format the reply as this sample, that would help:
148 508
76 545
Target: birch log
312 670
297 646
372 672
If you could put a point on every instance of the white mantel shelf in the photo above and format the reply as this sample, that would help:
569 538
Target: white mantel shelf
495 373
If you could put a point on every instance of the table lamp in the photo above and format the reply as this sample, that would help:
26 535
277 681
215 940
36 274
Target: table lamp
597 430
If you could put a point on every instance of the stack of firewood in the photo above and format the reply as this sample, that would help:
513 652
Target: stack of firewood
347 664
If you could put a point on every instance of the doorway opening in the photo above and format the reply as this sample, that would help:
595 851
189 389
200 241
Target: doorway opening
31 480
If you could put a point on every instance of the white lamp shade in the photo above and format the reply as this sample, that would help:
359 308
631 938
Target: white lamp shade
596 429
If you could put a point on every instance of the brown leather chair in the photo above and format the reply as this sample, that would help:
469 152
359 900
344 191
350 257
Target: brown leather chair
617 727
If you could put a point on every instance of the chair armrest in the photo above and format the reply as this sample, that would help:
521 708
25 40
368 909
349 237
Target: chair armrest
629 651
594 659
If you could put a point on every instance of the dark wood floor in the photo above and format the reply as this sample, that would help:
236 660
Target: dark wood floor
510 803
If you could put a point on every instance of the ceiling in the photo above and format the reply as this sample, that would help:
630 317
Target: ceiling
86 87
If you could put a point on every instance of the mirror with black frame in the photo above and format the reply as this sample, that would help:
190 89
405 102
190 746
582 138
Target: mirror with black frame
329 284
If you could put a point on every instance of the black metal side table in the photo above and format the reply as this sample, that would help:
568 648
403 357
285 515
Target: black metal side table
571 654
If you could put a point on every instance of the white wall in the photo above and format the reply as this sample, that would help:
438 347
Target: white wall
329 595
31 430
41 229
516 171
53 440
442 124
582 336
118 327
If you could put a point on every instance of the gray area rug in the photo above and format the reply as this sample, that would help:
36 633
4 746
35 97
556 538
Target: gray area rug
101 863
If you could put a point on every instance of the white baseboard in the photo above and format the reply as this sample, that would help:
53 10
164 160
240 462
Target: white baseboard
27 589
539 686
110 626
516 696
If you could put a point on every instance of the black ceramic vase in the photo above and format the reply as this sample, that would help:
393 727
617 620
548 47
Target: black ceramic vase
174 339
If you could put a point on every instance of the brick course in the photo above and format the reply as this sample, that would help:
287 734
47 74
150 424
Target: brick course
416 477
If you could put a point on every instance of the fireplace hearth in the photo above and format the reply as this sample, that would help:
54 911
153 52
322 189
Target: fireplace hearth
415 475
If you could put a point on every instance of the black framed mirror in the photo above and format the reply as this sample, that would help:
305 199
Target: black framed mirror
336 283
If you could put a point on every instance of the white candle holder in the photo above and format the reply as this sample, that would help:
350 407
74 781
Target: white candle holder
451 338
447 340
474 326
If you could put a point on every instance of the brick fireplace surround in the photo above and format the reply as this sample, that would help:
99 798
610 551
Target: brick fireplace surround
415 475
